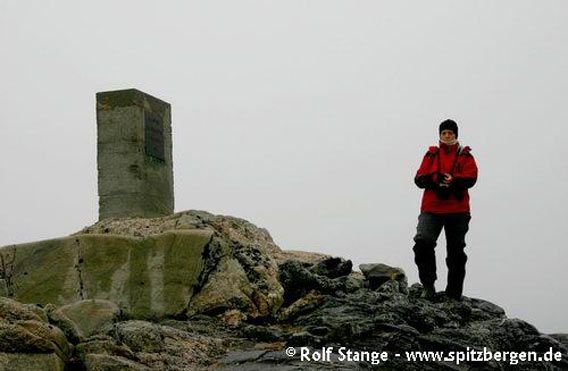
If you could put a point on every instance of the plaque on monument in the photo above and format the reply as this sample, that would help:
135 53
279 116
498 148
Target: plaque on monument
154 135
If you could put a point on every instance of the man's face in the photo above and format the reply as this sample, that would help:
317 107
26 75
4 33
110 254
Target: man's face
447 135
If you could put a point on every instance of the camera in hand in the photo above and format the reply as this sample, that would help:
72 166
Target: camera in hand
443 190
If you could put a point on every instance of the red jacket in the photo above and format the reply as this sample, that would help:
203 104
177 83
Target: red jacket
455 160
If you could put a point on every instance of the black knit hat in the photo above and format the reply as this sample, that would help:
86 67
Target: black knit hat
449 125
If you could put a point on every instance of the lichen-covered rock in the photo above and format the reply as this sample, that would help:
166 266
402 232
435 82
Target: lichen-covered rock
69 328
393 320
11 310
562 338
333 267
105 362
305 257
385 319
216 292
104 344
17 339
28 341
158 346
377 274
189 262
31 362
145 227
227 287
140 336
304 304
89 316
147 277
50 333
233 318
298 280
232 228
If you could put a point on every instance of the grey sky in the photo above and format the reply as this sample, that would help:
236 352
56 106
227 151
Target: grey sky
308 118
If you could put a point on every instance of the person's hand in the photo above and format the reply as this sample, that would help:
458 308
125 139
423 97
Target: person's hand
448 178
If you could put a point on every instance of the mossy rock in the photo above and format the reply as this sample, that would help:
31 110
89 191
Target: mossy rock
89 316
147 277
31 362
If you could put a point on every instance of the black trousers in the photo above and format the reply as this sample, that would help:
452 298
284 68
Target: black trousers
427 232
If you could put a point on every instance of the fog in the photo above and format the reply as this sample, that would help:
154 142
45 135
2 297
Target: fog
309 119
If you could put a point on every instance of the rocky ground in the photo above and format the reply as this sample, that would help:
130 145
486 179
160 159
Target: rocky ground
320 302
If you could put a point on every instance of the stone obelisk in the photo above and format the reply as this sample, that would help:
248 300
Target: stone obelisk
134 155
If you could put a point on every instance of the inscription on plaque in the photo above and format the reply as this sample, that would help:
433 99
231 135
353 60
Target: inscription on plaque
154 135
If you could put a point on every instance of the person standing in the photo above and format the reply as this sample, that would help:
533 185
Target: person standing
446 173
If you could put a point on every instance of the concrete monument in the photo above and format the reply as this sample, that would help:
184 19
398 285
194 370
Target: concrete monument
134 155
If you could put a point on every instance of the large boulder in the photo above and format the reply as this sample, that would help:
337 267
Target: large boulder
187 263
31 362
239 270
56 337
142 345
147 277
11 310
69 328
326 276
246 280
18 339
27 341
89 316
378 273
